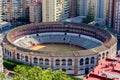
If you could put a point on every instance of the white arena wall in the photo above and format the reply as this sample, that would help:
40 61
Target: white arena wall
16 42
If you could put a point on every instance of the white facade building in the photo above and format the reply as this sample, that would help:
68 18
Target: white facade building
14 8
55 10
0 11
98 44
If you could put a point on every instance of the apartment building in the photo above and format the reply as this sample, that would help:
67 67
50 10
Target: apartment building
55 10
36 12
14 9
114 15
100 8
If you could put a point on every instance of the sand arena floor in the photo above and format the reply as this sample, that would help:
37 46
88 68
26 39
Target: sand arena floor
55 47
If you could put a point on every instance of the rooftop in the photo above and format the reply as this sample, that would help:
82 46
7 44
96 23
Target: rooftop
109 69
77 19
36 3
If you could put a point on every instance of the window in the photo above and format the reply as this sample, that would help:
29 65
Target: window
64 70
35 60
107 54
46 62
87 61
7 52
57 62
99 57
40 61
18 56
10 53
81 61
69 61
103 55
92 60
63 62
26 58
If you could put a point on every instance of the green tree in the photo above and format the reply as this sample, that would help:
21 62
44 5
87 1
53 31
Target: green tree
21 72
47 74
36 73
60 75
22 19
90 15
2 76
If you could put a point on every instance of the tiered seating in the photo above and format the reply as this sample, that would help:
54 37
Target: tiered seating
56 38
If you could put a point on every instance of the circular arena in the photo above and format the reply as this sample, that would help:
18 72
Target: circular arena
74 48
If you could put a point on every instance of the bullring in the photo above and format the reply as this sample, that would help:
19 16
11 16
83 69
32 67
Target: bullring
97 44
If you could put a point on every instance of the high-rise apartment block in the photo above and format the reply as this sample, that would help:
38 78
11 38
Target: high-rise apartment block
0 11
114 14
73 8
1 60
36 12
100 8
34 1
14 9
55 10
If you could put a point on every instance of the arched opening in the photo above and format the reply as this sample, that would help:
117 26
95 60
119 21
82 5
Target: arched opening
7 52
99 57
63 62
87 61
69 61
46 62
86 71
35 60
92 60
41 61
26 58
103 55
10 53
107 54
64 70
18 56
81 61
57 62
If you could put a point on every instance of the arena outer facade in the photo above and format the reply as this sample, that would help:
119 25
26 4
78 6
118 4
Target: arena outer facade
73 62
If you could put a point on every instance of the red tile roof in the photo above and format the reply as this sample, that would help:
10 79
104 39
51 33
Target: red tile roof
109 69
